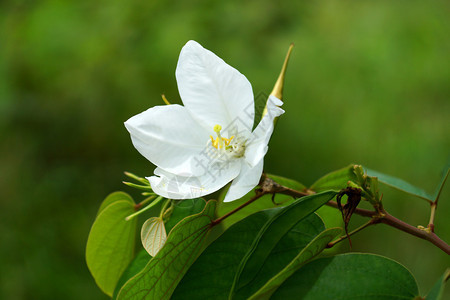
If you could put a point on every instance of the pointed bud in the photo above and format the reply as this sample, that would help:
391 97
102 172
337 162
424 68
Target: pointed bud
278 88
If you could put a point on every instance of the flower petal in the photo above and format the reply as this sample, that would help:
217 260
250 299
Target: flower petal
174 186
213 91
169 137
248 178
257 145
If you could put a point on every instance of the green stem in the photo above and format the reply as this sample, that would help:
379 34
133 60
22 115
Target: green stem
143 202
156 201
163 209
331 244
432 215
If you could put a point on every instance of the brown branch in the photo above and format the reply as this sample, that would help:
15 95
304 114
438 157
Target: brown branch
385 218
267 186
420 233
254 198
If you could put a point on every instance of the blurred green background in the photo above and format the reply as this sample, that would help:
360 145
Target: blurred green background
368 82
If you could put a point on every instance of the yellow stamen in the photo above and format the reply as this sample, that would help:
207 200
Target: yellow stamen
165 99
228 141
220 142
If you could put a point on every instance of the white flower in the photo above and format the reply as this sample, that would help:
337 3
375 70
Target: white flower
199 147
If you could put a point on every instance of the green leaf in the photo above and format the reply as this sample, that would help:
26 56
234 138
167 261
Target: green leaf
331 216
444 177
113 197
399 184
153 235
438 289
183 209
316 246
218 264
280 242
111 241
161 275
290 183
271 233
138 263
350 276
335 180
296 239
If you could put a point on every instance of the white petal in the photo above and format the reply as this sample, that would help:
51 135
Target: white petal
248 178
169 137
257 145
174 186
213 91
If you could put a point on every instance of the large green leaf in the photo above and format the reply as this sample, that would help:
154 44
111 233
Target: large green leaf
269 235
139 262
316 246
438 289
296 239
335 180
280 242
163 272
217 265
399 184
350 276
331 216
110 246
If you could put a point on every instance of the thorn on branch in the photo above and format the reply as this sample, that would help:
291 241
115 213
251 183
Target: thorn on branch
353 199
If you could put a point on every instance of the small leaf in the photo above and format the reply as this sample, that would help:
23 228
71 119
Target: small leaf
335 180
110 245
350 276
444 177
437 290
316 246
399 184
161 275
153 235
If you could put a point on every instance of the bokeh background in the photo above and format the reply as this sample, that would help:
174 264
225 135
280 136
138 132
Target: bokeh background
368 83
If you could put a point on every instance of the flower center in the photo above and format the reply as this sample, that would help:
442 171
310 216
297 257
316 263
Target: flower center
233 146
220 142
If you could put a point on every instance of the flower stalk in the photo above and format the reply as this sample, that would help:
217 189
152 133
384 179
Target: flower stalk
152 204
